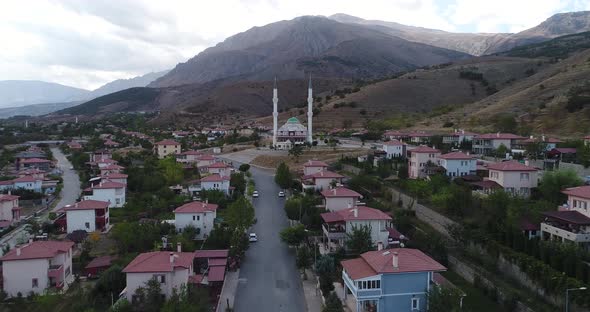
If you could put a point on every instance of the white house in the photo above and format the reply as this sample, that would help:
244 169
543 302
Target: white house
188 157
171 269
29 183
314 166
394 148
220 168
486 144
420 158
36 267
106 162
215 182
112 192
9 210
166 147
339 223
87 215
115 177
340 198
458 136
572 221
457 164
199 215
514 177
322 180
112 168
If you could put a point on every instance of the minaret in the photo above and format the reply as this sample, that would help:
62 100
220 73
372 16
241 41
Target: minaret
309 112
275 113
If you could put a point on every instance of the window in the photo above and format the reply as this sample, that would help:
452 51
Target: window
87 224
198 218
35 283
160 278
372 284
415 304
118 201
524 176
194 218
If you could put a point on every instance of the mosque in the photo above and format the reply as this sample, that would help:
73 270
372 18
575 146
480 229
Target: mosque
292 132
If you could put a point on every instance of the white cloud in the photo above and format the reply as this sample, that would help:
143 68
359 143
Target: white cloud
86 43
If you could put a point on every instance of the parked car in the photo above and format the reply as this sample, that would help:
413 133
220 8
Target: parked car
255 194
281 194
252 237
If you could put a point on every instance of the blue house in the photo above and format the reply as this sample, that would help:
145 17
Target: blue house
392 280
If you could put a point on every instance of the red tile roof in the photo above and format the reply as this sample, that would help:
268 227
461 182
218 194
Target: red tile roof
315 163
363 213
114 175
113 167
394 143
26 179
87 205
340 192
38 250
216 274
159 261
455 155
381 262
167 142
424 149
108 184
569 216
8 197
510 166
206 157
499 136
214 178
217 253
217 262
325 175
100 262
196 207
218 165
35 161
580 191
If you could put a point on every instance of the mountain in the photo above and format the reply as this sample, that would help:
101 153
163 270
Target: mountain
480 43
122 84
314 44
27 92
35 109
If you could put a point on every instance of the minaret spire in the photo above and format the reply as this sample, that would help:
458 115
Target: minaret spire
275 113
309 112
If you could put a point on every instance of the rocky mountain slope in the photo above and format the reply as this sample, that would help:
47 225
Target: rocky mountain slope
122 84
289 49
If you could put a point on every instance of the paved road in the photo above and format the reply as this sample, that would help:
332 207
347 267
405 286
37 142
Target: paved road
269 280
71 187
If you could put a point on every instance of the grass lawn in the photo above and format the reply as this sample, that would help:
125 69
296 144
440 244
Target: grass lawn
476 300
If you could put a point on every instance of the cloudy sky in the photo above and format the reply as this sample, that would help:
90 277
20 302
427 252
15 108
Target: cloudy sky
86 43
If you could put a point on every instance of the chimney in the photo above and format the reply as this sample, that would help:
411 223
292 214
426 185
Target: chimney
30 240
178 247
498 134
18 250
9 192
334 191
395 260
531 137
379 246
526 162
349 205
355 211
543 138
171 257
207 201
322 173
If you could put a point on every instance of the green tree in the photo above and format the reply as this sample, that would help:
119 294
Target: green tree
304 258
283 176
553 182
444 299
359 239
293 208
325 264
333 304
239 244
112 281
296 151
173 172
244 167
326 284
149 297
240 214
501 151
238 181
293 235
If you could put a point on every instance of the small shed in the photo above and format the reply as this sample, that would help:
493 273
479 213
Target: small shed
98 265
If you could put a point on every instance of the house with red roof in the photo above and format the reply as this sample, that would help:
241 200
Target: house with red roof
204 161
571 222
338 224
115 177
396 279
111 168
340 198
86 215
28 183
98 265
457 164
514 177
74 146
199 215
420 160
167 147
322 180
111 144
219 168
9 210
39 163
107 190
188 157
487 144
210 267
215 182
172 270
547 143
36 267
457 137
394 149
312 166
99 155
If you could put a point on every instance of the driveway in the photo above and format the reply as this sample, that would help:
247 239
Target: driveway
71 185
269 280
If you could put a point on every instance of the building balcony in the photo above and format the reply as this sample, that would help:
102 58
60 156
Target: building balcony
557 230
56 271
334 231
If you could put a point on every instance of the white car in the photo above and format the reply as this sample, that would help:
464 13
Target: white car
255 194
281 194
252 237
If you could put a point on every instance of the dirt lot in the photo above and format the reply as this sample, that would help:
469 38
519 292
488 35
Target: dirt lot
324 154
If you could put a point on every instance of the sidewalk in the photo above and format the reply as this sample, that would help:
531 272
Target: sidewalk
313 297
228 292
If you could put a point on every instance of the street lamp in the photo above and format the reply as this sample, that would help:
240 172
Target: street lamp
461 301
567 293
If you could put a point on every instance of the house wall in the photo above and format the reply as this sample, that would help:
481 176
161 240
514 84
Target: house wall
511 181
378 231
324 183
173 280
77 219
222 186
110 195
399 289
224 172
418 161
582 204
6 209
165 150
458 167
33 186
339 203
203 221
393 150
18 276
313 169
